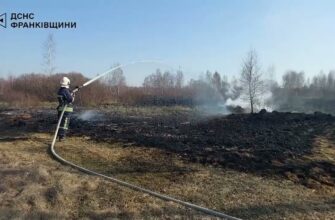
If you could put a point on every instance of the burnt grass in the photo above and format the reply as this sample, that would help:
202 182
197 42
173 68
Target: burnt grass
267 144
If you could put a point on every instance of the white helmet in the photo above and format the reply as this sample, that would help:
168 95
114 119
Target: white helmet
65 82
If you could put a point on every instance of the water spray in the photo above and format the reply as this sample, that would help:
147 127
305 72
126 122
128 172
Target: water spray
110 71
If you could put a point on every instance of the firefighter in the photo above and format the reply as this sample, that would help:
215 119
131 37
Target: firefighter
65 97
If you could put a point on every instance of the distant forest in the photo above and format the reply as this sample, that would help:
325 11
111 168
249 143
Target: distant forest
294 93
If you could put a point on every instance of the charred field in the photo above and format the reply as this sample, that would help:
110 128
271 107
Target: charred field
264 143
254 166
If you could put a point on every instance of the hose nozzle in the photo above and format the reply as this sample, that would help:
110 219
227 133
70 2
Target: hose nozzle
76 89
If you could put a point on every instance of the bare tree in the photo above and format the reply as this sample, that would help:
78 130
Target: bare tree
331 80
168 80
236 89
220 84
154 80
117 79
225 87
114 80
251 79
216 81
293 80
179 79
49 52
320 81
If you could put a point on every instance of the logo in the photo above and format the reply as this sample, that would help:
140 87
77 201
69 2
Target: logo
3 22
26 20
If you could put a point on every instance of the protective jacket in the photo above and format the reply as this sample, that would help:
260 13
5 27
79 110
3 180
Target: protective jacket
65 98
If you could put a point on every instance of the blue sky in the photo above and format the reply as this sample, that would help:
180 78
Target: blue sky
194 34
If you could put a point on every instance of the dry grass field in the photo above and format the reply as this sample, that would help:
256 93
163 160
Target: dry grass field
35 186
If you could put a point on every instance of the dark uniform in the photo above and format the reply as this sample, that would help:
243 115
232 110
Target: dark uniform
64 98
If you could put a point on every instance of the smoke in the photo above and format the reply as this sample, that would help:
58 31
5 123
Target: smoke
90 115
265 102
237 102
300 94
210 101
213 109
214 94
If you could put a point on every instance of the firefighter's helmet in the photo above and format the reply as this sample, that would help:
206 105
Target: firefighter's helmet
65 82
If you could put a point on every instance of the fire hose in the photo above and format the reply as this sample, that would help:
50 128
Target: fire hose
123 183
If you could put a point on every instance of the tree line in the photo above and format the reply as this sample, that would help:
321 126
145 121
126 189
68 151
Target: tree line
294 93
